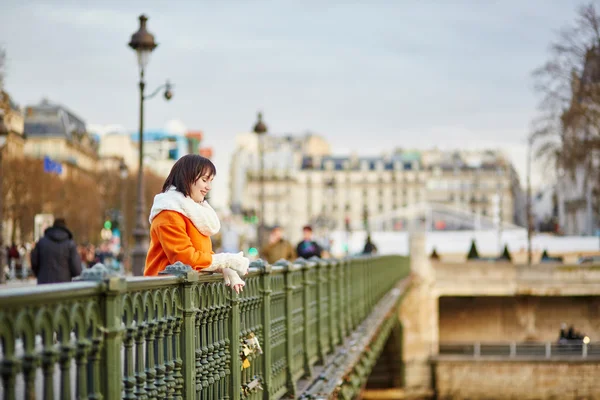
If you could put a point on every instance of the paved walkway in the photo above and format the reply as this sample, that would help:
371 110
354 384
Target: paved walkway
16 283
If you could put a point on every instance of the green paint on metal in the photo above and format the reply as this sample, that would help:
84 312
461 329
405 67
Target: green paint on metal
179 336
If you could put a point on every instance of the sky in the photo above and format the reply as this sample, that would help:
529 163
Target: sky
369 76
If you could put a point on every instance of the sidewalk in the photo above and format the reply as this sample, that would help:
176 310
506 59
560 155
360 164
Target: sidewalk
16 283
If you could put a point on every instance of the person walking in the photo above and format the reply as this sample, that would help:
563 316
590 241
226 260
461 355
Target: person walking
308 248
370 247
278 248
55 259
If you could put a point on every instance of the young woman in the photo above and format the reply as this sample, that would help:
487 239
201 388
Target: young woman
182 222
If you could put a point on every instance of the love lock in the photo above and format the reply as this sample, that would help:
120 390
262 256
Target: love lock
252 342
245 352
252 386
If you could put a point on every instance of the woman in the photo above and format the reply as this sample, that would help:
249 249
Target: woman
182 222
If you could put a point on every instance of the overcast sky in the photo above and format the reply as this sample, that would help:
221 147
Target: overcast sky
369 76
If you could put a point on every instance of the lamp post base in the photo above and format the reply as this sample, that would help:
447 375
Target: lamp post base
140 251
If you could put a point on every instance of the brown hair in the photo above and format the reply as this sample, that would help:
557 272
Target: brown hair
186 171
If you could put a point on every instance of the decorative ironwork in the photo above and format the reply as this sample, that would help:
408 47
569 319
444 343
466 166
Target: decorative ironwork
180 336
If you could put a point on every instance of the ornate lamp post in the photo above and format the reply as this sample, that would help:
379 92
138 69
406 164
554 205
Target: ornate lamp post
529 212
261 129
143 43
3 138
124 172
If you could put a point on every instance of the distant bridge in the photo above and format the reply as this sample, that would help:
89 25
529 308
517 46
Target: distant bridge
422 217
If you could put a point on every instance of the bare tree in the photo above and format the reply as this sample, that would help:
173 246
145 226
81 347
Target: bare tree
568 84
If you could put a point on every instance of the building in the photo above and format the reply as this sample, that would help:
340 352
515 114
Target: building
352 192
161 148
282 156
116 145
14 121
576 190
54 131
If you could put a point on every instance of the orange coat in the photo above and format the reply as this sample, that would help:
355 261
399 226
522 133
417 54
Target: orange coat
173 237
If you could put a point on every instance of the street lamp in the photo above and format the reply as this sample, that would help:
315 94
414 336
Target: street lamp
3 138
143 43
124 172
529 211
261 129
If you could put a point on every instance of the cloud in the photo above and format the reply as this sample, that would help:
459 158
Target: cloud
176 126
87 17
103 129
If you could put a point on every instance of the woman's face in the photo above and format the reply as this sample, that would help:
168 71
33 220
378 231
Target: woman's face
201 187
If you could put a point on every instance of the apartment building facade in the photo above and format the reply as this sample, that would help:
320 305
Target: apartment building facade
351 192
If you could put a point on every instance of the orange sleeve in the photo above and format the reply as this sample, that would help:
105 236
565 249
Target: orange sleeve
177 246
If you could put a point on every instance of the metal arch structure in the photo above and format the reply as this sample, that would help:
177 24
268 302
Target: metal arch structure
422 217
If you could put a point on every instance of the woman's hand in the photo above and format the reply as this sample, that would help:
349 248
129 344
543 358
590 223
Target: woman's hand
232 279
237 262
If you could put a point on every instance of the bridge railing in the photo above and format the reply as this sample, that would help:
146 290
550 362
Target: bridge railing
186 335
576 349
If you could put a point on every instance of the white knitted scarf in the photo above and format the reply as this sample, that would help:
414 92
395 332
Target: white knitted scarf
202 214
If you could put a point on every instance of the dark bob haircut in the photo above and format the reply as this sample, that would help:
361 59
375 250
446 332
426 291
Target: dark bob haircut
187 170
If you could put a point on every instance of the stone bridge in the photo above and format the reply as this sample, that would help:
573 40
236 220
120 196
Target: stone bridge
308 329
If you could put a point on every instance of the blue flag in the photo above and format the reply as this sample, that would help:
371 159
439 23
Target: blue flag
51 166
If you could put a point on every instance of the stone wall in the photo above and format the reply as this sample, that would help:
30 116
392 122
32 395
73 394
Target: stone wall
419 317
520 318
523 380
482 278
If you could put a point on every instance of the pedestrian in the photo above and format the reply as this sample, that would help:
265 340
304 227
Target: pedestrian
55 259
308 248
278 248
370 247
182 222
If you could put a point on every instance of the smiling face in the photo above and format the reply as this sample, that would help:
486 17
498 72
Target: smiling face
200 188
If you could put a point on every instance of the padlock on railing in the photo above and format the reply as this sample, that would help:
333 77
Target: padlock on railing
249 347
253 343
252 387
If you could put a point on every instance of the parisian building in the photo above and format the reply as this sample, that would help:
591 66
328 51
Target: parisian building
475 189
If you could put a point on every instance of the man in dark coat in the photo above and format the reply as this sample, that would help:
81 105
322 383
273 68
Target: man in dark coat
54 258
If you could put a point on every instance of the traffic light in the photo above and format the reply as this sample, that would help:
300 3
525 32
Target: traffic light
107 224
250 216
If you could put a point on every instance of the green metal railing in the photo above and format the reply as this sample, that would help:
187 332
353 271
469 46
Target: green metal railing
181 336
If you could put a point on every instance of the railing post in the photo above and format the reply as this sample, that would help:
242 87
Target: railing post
266 291
289 330
111 357
306 283
111 377
548 349
351 288
187 338
333 319
234 341
342 310
513 349
584 350
477 349
320 266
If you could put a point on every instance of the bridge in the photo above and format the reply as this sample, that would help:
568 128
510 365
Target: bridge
308 329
